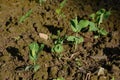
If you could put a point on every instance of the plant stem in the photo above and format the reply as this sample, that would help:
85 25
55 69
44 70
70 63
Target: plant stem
75 41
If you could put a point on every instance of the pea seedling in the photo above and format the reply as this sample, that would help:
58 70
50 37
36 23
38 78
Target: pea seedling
77 26
58 44
33 55
22 19
97 19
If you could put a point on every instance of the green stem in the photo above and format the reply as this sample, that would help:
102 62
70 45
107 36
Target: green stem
75 41
75 45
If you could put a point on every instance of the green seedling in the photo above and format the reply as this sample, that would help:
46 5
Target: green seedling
97 19
59 78
58 44
99 16
33 55
23 18
77 26
75 40
58 10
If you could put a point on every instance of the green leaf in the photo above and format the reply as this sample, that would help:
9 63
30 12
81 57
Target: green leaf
58 11
82 24
103 32
34 47
41 47
62 3
36 68
74 23
101 11
107 14
59 78
92 16
71 38
75 39
92 26
33 58
80 40
22 19
34 50
57 48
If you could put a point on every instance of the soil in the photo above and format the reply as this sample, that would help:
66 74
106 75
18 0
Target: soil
84 63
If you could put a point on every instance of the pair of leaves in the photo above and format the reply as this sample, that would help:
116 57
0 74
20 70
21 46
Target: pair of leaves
34 50
77 26
75 40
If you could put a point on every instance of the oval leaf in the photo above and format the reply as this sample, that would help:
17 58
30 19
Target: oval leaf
83 23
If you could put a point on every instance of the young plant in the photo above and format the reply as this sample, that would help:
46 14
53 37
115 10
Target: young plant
33 55
58 44
77 26
23 18
58 10
75 40
97 19
59 78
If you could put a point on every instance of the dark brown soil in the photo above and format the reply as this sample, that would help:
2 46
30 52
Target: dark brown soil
93 54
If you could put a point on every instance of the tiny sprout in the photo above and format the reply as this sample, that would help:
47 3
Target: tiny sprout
58 44
58 10
33 55
22 19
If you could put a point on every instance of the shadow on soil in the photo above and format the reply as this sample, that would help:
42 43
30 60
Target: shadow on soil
113 54
14 52
52 29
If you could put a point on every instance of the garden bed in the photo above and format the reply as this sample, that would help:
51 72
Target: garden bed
93 59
